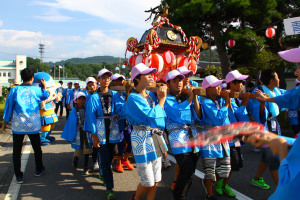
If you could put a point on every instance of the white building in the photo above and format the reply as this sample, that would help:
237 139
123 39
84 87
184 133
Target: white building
10 70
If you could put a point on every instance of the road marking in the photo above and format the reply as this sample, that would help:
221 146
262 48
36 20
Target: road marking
13 190
199 174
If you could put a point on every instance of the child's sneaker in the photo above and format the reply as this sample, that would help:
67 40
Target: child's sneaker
127 164
20 179
119 168
96 166
218 186
227 191
85 171
110 195
259 182
40 172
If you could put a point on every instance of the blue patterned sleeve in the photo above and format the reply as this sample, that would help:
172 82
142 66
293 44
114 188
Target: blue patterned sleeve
119 105
69 131
290 99
41 94
91 114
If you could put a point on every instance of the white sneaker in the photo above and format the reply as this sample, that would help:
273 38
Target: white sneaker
96 166
166 163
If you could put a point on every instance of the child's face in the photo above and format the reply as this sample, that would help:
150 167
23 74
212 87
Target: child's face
92 87
105 80
175 85
145 80
81 101
120 82
214 91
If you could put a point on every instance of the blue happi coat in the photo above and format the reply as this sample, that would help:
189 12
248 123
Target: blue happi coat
22 108
71 97
179 115
71 131
216 117
140 113
96 125
269 112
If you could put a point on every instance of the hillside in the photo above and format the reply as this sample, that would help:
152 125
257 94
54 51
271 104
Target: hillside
89 60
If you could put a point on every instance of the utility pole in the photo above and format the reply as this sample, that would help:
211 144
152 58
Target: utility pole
42 51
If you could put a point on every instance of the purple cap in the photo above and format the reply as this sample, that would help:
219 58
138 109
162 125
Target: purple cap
235 75
183 70
297 81
292 55
116 76
211 81
141 68
90 79
104 71
173 74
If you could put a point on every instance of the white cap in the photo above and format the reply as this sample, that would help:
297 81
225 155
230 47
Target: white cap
211 81
173 74
90 79
76 82
116 76
235 75
104 71
183 70
141 68
80 94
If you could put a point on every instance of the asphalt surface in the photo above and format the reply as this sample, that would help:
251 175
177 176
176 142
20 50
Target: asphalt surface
62 181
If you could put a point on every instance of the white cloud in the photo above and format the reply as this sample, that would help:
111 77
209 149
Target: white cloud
53 15
16 38
1 23
130 12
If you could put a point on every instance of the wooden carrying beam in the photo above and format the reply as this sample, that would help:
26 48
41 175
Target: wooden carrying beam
239 95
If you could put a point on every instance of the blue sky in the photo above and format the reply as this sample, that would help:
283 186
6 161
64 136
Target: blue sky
70 28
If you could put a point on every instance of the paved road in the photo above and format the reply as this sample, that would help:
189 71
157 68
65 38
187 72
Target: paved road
62 181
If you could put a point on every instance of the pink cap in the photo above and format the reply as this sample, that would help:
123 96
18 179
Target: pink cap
292 55
76 82
173 74
90 79
69 82
235 75
80 94
183 70
116 76
297 81
141 68
104 71
211 81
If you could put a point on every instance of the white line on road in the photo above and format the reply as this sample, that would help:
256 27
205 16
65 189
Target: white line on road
14 187
199 174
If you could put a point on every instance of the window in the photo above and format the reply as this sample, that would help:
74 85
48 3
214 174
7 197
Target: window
4 74
9 74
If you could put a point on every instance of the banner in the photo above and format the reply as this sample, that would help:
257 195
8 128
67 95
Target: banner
292 26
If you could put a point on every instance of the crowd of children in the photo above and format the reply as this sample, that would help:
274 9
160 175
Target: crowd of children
120 123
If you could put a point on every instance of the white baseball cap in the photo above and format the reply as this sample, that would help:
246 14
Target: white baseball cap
173 74
76 82
104 71
90 79
183 70
80 94
116 76
211 81
141 68
235 75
